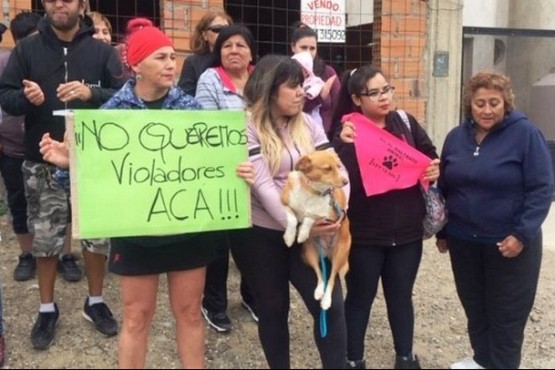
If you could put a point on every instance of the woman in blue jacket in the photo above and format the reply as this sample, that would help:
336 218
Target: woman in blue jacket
497 178
139 261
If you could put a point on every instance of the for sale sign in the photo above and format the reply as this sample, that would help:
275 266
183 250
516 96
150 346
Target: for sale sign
327 17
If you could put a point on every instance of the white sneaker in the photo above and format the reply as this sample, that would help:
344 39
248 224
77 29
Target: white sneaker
467 363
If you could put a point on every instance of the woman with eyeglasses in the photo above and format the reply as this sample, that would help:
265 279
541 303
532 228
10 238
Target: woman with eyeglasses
202 44
386 228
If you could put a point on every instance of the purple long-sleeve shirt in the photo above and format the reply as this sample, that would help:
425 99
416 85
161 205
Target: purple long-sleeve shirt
267 210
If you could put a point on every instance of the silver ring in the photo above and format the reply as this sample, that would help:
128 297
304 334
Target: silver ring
71 92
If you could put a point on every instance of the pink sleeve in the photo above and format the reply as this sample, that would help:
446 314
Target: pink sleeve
264 187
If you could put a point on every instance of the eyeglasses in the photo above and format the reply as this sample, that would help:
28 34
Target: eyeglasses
216 29
375 94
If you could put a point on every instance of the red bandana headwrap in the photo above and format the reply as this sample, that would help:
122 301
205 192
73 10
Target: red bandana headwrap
144 39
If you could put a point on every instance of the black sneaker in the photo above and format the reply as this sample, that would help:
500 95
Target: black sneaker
101 317
251 308
43 331
69 269
217 320
26 267
358 364
409 362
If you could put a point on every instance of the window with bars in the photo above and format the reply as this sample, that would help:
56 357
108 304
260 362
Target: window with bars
270 22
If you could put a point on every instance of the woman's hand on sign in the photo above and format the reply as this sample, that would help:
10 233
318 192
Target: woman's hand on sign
246 171
432 172
54 151
348 133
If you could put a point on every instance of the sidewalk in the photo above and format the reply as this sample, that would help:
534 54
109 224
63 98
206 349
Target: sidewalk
549 230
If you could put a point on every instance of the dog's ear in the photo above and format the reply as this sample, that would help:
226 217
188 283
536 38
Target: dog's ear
304 164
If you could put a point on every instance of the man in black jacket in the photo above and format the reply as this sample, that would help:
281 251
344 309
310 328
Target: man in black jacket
62 67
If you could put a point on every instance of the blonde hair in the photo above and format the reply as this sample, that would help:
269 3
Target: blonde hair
261 91
198 44
99 17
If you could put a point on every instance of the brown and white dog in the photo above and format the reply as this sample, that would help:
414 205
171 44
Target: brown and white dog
314 192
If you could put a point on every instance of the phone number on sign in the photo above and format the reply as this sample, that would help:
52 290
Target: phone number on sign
331 35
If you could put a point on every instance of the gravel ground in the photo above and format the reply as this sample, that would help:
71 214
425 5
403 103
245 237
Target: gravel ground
440 334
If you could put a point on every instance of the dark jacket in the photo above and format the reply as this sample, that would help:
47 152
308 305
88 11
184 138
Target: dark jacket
49 62
12 131
194 66
395 217
502 187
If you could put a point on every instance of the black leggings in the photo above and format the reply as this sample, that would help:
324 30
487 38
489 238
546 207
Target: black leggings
268 266
215 289
397 266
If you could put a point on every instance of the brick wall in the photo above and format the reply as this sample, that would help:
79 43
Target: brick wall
15 7
400 37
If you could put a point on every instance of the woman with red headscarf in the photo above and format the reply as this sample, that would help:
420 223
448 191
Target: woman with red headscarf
150 56
139 261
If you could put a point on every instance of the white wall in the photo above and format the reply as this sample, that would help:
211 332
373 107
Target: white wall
359 12
532 14
527 59
487 13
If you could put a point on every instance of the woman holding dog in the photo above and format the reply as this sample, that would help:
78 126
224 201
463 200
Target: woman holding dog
386 228
279 133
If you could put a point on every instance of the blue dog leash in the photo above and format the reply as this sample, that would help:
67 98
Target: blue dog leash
324 268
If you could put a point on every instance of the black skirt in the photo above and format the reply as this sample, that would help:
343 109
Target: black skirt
154 255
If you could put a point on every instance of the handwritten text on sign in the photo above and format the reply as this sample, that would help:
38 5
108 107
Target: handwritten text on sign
385 161
158 172
327 17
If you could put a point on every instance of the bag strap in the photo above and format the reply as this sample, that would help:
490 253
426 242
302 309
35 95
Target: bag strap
404 117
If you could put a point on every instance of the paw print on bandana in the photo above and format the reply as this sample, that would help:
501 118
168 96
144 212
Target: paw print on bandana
390 162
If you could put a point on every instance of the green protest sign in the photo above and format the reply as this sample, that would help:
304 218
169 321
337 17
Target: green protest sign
156 172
